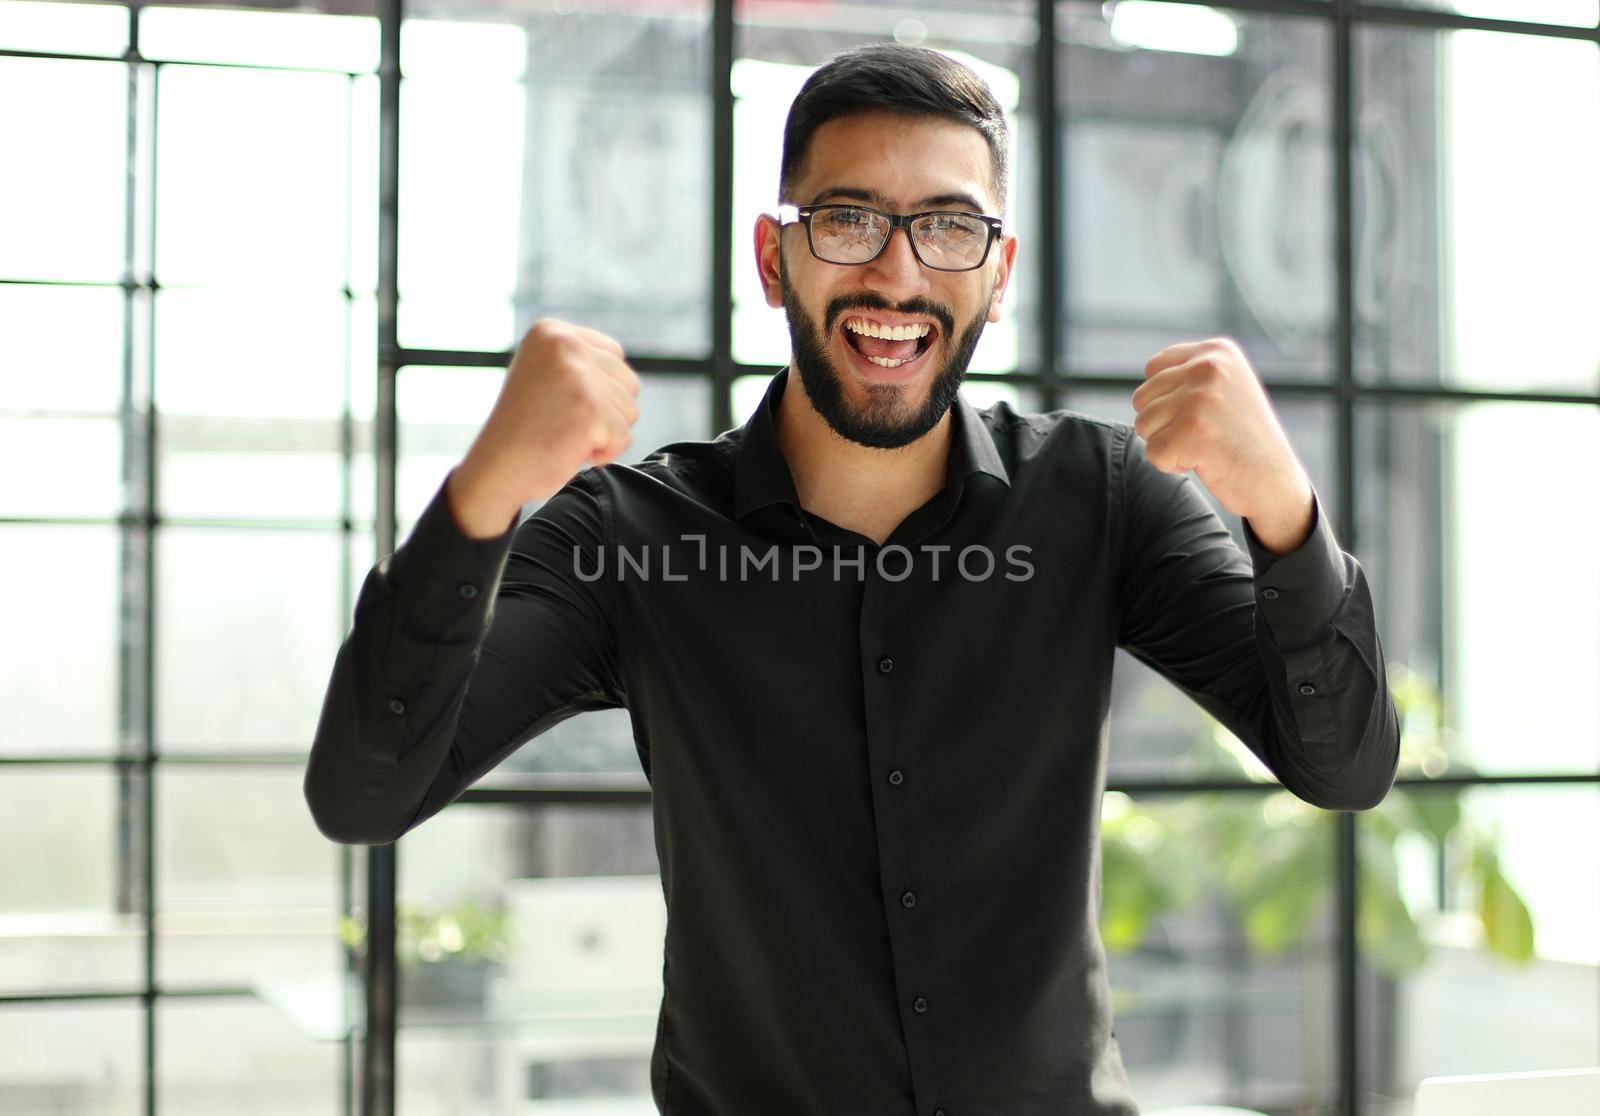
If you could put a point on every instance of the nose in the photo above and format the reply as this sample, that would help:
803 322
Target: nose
897 264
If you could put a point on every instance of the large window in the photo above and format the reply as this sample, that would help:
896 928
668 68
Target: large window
261 271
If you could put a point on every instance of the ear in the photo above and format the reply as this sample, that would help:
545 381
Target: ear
1008 256
768 241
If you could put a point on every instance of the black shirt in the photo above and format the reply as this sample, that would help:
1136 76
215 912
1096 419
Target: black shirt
876 772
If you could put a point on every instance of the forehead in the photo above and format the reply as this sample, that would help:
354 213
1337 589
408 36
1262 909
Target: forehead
903 158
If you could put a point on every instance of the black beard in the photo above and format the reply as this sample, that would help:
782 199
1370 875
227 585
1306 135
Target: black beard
881 427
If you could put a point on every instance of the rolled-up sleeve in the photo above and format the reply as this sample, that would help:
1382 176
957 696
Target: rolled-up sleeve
461 650
1282 649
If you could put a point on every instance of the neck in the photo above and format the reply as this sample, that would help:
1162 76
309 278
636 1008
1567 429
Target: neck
861 488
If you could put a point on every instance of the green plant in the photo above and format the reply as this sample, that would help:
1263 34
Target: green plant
426 934
1269 859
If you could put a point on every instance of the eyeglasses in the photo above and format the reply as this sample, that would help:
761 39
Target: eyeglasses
945 240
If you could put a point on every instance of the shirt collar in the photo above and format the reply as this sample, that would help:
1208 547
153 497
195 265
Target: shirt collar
762 476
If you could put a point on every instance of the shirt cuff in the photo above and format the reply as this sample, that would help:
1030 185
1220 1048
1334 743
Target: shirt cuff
1301 591
446 578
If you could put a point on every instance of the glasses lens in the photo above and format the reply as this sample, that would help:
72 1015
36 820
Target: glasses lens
846 235
951 241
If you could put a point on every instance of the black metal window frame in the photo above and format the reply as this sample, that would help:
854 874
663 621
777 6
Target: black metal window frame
368 1077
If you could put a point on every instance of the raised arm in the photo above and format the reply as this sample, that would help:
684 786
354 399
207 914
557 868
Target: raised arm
1282 649
461 651
476 635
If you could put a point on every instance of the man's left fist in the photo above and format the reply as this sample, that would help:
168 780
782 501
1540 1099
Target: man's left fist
1202 407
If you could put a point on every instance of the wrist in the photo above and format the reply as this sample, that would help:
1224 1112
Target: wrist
1285 523
479 511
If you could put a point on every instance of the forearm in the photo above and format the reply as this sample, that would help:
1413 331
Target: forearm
388 720
392 707
1286 522
1317 637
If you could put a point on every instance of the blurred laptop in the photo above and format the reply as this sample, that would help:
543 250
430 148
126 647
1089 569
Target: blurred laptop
587 944
1571 1092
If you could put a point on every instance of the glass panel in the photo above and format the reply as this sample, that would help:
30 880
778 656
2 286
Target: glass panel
227 1054
983 394
71 882
1475 224
249 468
1160 731
291 367
363 365
253 179
779 46
62 348
195 33
68 28
538 962
671 409
1220 948
587 122
747 394
1575 13
87 1059
85 466
247 626
1199 186
592 748
247 890
459 252
65 221
1458 516
58 686
363 166
1480 935
440 411
259 436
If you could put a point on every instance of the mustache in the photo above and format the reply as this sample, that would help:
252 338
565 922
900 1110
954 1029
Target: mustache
866 300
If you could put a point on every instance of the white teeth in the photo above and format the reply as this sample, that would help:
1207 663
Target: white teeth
888 333
886 362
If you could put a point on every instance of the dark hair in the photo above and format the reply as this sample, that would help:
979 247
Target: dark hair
909 79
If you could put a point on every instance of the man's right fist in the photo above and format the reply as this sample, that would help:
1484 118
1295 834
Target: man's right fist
569 399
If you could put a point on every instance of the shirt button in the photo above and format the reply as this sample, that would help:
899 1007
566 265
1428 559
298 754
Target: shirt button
885 665
1270 594
469 591
896 778
908 899
940 1112
919 1005
1307 688
397 706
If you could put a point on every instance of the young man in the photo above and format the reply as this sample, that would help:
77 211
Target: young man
866 639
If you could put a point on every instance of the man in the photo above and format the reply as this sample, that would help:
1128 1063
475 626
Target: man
866 639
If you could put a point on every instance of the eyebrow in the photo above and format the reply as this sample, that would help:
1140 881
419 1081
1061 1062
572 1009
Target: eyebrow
855 193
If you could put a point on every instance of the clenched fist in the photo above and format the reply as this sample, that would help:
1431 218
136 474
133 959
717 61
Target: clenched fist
1202 407
569 399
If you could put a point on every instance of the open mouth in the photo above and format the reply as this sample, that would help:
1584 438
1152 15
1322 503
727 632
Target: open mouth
894 349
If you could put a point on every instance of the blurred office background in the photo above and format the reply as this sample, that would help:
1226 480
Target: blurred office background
204 306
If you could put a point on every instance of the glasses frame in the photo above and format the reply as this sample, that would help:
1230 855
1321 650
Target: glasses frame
801 215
